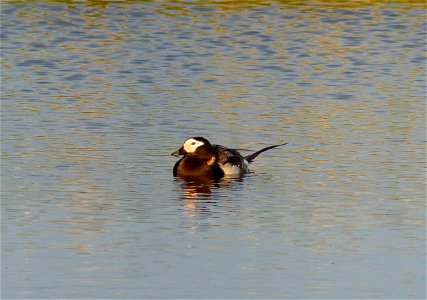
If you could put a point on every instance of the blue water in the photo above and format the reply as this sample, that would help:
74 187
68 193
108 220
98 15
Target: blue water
96 95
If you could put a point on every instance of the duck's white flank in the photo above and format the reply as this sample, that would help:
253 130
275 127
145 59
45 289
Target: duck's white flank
230 169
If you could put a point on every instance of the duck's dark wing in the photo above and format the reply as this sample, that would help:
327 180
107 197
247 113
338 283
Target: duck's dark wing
225 155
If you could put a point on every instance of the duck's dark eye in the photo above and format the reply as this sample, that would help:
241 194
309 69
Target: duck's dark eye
193 143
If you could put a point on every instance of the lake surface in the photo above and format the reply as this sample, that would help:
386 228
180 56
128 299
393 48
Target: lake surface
96 95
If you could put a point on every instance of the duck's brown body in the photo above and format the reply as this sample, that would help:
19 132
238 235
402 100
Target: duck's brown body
194 167
203 160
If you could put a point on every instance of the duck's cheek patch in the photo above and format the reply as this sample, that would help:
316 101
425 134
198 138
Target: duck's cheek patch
191 145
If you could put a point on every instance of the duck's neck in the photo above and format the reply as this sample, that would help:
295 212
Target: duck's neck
205 154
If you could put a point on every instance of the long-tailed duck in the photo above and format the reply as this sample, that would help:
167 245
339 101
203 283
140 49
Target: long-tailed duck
201 159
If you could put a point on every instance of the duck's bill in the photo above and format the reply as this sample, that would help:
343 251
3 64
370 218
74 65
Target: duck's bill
178 152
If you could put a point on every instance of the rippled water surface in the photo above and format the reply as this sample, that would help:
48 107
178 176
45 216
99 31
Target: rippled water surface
96 95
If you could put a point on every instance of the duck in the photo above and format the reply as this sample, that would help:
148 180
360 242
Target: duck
201 159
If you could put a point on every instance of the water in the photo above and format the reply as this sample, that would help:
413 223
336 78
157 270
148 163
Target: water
96 95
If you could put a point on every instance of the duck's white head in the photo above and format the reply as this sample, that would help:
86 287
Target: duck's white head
191 145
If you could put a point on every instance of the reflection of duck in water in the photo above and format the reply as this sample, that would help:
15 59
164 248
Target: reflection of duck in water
199 197
200 189
197 190
205 161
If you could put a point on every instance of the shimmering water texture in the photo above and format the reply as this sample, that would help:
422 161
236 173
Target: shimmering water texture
96 95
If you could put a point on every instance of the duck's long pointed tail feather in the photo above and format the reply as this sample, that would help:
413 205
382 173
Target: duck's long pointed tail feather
252 156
